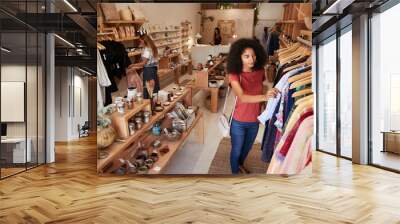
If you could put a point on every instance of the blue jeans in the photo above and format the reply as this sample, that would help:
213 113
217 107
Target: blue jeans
243 135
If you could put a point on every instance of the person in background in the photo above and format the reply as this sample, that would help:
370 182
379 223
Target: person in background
273 40
265 39
149 63
217 36
245 66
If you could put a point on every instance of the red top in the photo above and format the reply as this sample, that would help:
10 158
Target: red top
252 84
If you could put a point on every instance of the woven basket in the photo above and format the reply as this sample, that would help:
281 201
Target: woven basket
105 137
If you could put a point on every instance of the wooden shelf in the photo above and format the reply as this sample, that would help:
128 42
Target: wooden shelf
173 147
117 147
288 21
307 33
120 121
165 38
217 63
164 45
164 31
125 22
127 39
105 33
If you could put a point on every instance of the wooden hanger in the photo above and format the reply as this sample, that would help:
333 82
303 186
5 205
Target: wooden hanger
301 82
100 46
300 52
300 76
305 98
302 92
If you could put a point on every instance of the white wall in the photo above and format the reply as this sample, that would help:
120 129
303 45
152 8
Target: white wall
269 14
67 114
244 19
167 13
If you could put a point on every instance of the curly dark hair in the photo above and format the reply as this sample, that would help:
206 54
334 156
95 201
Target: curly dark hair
235 64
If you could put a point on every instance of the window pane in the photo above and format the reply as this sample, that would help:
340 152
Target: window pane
327 96
385 84
345 93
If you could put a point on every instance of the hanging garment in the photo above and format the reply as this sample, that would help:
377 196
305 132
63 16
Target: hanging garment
116 61
290 134
102 76
280 72
281 85
298 155
299 146
268 141
100 100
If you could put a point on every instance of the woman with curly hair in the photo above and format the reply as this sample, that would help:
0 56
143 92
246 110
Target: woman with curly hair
246 71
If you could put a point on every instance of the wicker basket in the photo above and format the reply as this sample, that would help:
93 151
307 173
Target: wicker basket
105 137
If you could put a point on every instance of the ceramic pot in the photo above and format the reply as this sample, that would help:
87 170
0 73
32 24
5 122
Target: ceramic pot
125 14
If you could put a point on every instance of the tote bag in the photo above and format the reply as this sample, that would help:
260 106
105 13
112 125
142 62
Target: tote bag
224 123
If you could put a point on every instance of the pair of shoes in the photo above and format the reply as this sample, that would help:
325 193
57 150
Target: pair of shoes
244 170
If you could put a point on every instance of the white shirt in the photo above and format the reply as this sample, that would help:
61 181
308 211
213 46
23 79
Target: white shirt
148 54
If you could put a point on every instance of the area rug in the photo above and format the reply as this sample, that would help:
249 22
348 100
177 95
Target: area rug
221 161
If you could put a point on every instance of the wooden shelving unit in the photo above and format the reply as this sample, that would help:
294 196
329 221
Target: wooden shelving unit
121 31
293 20
127 39
174 146
120 121
125 22
164 31
118 148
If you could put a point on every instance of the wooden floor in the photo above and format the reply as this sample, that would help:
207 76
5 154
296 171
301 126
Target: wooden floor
71 192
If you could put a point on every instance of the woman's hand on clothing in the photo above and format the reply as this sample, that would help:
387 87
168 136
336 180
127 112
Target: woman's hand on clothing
271 93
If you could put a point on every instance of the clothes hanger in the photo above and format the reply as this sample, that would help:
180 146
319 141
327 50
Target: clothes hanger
288 49
298 53
300 76
100 46
302 92
305 63
301 82
304 98
288 53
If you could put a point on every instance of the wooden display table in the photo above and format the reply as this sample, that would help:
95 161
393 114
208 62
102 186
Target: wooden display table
202 83
391 141
174 146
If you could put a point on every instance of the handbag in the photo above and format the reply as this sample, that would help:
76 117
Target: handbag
224 123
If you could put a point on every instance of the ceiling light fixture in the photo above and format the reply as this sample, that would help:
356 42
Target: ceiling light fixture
70 5
65 41
5 49
337 7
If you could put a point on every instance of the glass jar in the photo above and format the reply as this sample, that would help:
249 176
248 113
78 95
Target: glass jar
139 98
121 107
139 123
146 116
131 126
156 129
